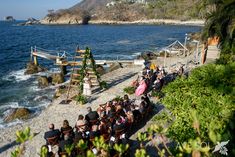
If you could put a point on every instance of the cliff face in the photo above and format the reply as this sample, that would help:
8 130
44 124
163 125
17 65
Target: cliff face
127 11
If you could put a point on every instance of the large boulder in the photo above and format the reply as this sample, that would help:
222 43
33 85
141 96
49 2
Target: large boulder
100 69
31 68
17 113
57 78
115 66
59 91
147 56
43 81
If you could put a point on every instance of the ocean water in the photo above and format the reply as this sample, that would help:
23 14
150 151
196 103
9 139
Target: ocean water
105 41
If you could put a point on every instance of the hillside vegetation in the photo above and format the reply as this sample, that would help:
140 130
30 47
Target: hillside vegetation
131 10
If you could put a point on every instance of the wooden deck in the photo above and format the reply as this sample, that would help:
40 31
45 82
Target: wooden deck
45 55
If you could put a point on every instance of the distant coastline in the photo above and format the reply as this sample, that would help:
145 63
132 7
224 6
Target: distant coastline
195 22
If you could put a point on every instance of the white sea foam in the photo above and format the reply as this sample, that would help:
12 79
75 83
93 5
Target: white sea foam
123 42
17 76
10 105
136 54
4 125
34 88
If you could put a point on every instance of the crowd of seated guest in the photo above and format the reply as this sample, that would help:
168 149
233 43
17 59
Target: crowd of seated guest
112 120
156 78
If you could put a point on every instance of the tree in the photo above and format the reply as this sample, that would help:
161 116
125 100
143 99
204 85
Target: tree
221 22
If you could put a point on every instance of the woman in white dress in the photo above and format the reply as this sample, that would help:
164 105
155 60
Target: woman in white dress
87 85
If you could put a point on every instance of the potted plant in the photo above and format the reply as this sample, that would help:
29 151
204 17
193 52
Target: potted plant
157 94
81 99
129 90
103 85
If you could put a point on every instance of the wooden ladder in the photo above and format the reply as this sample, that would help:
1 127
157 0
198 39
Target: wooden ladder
74 81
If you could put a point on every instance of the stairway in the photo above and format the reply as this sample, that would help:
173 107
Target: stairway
89 68
76 67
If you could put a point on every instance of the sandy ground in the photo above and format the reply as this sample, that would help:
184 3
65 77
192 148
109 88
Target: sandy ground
57 112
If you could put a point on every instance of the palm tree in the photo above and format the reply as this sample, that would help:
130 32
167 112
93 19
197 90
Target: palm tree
221 22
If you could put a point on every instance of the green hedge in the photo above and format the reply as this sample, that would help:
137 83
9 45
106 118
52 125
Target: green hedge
209 92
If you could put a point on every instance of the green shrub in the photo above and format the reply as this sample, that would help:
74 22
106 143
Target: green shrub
21 137
117 98
209 93
103 85
81 99
157 94
129 90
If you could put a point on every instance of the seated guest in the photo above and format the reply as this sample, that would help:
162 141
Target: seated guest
52 133
129 117
66 129
101 109
142 107
77 136
81 124
63 143
94 131
119 125
103 127
127 101
92 116
136 114
146 99
108 107
118 129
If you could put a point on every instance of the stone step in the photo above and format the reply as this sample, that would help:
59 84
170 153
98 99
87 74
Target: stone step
81 51
95 84
75 80
92 76
78 57
90 72
74 74
72 63
74 86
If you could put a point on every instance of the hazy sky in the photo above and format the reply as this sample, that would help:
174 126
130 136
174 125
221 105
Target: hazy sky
23 9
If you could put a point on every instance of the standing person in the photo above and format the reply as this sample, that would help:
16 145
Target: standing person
141 88
87 85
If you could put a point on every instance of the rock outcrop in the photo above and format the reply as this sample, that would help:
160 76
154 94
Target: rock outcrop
59 91
57 78
31 68
30 21
18 113
147 56
43 81
115 66
100 69
9 18
54 79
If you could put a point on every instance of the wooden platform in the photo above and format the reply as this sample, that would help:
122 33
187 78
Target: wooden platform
46 55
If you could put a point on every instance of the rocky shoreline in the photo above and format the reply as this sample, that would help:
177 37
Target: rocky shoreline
56 112
69 21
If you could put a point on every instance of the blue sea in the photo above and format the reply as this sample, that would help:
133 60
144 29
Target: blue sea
105 41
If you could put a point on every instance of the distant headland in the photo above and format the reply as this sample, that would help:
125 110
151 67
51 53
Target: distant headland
128 12
9 18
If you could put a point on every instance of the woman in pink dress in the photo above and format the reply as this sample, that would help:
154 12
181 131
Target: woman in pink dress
141 88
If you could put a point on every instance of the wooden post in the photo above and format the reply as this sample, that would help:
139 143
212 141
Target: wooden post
63 69
35 59
165 60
